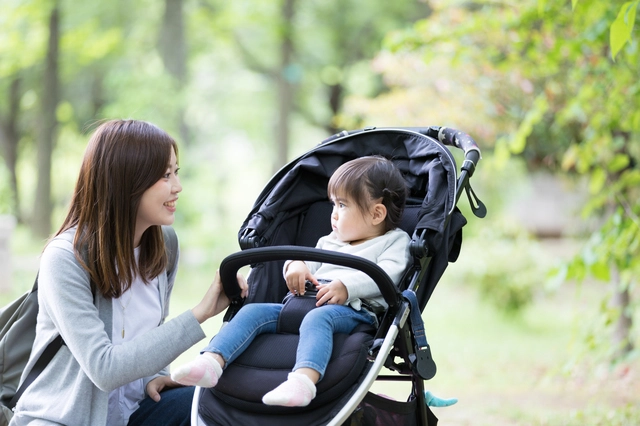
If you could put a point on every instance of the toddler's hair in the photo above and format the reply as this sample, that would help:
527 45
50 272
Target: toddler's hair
371 178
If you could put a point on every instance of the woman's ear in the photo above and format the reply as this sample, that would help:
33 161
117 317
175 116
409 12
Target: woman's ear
379 213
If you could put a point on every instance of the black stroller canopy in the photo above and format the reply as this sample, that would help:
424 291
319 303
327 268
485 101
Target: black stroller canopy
427 166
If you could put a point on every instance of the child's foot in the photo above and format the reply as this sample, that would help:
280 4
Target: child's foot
204 371
297 391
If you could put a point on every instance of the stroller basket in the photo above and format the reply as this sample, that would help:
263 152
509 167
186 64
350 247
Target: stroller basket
287 219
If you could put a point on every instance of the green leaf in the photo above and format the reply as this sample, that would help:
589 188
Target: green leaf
600 270
631 178
597 181
519 141
576 270
573 4
619 162
541 6
620 31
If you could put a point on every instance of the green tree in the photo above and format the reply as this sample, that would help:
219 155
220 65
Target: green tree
319 55
48 127
21 50
63 67
557 98
173 48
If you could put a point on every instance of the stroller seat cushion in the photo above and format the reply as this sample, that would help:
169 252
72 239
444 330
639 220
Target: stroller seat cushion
271 357
294 310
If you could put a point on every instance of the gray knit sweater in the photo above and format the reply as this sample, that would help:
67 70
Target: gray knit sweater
74 388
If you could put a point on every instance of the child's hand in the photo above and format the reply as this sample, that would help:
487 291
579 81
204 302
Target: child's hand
296 275
334 293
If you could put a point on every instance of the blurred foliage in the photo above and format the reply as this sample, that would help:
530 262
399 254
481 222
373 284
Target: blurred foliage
5 191
538 80
111 66
628 415
505 271
534 82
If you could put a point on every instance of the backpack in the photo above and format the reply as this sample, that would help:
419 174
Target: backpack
18 331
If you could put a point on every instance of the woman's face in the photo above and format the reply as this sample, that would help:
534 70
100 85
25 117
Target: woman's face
158 203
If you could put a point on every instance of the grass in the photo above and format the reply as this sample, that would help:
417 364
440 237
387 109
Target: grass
504 370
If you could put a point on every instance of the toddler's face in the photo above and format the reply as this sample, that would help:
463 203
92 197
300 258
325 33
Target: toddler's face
349 223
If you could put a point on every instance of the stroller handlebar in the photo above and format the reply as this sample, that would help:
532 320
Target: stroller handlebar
461 140
453 137
232 263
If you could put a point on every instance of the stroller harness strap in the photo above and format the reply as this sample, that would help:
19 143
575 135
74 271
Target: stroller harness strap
424 364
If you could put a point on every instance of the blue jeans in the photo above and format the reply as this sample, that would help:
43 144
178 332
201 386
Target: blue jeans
173 409
316 332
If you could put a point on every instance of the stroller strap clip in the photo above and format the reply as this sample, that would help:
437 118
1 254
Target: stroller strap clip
423 362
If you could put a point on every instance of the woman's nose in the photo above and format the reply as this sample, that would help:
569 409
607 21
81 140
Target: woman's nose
177 187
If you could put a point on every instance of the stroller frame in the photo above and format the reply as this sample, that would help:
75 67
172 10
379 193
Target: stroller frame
400 338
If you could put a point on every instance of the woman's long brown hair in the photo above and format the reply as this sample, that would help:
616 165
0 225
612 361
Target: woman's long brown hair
122 160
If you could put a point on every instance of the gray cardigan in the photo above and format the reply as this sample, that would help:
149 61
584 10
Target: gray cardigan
74 388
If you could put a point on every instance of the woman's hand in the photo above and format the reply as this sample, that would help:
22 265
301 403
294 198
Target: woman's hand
215 300
157 385
296 275
334 293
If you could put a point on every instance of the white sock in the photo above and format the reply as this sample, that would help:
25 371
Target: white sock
297 391
204 371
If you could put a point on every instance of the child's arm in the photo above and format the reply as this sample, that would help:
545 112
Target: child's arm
296 275
334 293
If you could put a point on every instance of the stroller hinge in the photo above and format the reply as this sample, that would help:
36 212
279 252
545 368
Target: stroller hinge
249 239
469 166
418 245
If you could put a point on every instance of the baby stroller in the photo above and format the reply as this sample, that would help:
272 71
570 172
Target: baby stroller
287 219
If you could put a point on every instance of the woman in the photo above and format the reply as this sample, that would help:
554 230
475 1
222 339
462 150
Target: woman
104 286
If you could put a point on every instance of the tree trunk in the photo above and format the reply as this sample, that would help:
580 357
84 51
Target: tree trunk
285 86
173 48
9 142
336 93
621 301
97 93
43 205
